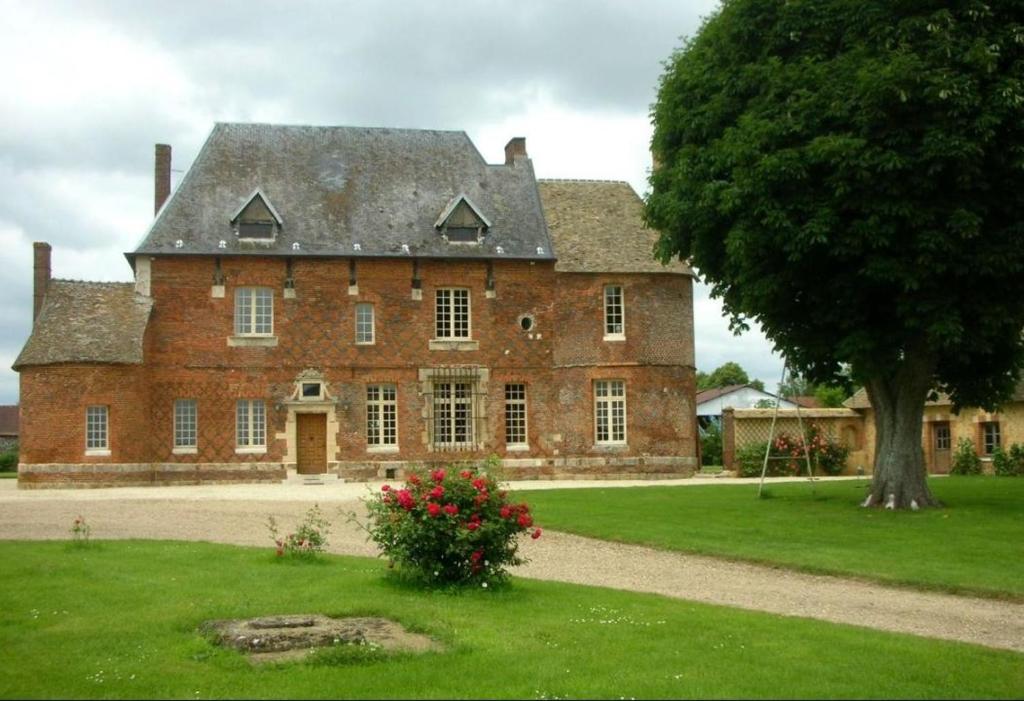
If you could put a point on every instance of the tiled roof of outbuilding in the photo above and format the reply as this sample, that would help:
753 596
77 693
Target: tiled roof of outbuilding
88 322
597 226
860 400
336 187
9 420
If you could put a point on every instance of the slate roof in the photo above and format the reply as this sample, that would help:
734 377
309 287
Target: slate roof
339 186
87 322
9 420
597 226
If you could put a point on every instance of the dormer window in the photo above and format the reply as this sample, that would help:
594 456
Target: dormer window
256 220
462 222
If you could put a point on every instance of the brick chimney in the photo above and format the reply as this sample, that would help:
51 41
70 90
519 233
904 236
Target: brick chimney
161 176
40 276
515 149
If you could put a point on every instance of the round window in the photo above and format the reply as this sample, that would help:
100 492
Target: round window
526 322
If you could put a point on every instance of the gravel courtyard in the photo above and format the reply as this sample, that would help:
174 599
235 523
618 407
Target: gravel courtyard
237 514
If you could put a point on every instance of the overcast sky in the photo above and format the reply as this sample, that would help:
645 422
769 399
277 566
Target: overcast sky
91 86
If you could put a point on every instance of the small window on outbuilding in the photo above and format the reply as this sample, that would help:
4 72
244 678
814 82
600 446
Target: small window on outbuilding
256 219
462 222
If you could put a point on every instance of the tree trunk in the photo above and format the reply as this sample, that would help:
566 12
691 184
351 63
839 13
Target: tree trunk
899 480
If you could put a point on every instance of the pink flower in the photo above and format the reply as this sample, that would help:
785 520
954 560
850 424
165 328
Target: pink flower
437 475
506 511
414 479
437 492
477 554
385 488
525 520
451 509
536 534
480 483
434 509
405 499
473 525
466 474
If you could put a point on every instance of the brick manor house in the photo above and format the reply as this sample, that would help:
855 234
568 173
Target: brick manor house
353 302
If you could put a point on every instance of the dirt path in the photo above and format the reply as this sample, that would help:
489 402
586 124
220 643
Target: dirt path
238 517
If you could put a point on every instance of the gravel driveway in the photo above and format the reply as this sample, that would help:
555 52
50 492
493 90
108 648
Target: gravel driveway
237 514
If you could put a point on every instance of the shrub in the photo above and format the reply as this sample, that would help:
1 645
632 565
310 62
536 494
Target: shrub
750 458
827 454
80 531
965 460
711 445
308 539
788 455
1009 463
9 459
449 527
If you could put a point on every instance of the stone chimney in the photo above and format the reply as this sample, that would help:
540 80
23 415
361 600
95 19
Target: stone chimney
515 149
161 176
40 276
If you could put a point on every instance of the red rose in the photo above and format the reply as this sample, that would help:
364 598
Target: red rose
414 479
385 488
451 509
473 525
477 554
433 509
480 483
475 517
437 492
506 511
481 498
525 520
536 534
437 475
466 474
405 499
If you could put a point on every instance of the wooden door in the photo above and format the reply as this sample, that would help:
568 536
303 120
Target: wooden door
941 441
311 449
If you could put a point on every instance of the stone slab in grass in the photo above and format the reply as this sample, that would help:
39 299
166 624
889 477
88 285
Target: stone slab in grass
284 638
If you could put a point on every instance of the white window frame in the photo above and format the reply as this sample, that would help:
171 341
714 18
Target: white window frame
250 425
611 292
450 402
609 396
449 306
380 407
518 405
248 296
362 338
97 430
186 426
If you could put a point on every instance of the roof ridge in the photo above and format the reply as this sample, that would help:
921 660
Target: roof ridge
91 282
581 180
336 126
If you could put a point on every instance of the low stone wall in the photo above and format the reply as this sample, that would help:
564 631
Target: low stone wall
44 476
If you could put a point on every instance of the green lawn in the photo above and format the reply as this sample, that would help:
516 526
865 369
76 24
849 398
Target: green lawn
975 544
118 620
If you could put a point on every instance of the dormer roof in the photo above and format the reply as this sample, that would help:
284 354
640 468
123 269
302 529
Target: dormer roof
257 194
453 205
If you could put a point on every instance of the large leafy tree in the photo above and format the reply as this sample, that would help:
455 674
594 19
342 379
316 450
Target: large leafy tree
850 174
726 374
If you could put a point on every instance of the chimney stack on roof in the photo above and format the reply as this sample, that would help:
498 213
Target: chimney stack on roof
515 149
161 176
40 276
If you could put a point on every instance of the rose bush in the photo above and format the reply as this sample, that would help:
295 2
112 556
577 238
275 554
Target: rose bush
449 527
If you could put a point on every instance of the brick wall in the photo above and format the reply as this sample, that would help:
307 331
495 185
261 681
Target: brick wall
188 356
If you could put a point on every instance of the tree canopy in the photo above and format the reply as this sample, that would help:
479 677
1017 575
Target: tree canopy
729 373
850 174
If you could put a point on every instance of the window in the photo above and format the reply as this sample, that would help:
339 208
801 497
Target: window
96 428
451 313
990 437
614 323
364 323
185 421
942 437
381 416
254 311
453 415
312 390
515 416
250 425
610 411
256 230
